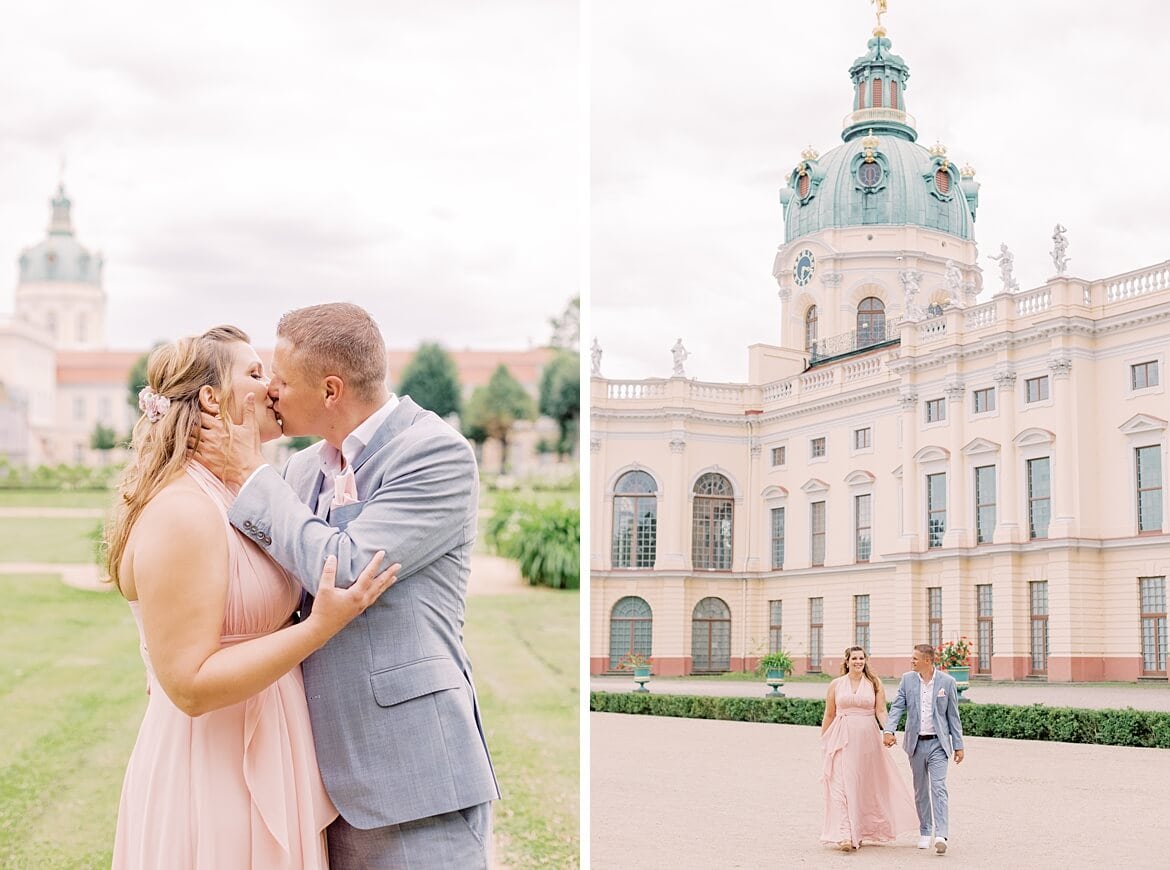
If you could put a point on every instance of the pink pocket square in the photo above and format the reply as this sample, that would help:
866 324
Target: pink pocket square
344 489
942 693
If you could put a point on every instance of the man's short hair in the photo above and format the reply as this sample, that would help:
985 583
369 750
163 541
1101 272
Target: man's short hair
337 338
924 648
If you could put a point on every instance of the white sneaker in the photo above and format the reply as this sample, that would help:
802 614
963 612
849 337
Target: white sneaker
940 844
924 841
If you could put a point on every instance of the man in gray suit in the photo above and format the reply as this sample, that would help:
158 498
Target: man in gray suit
399 739
934 735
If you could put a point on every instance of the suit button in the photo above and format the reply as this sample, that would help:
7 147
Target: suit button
268 539
247 524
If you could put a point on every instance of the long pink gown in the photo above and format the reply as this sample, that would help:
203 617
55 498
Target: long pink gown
865 797
237 787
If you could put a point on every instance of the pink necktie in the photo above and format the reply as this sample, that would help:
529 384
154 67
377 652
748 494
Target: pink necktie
344 489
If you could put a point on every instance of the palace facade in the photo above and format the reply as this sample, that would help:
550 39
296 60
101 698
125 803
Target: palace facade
908 464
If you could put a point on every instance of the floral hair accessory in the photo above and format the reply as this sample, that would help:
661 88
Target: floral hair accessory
152 404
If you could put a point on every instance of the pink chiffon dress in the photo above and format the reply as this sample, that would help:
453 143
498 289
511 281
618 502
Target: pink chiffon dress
865 796
238 787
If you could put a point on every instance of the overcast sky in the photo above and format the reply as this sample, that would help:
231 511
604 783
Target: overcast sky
233 160
700 111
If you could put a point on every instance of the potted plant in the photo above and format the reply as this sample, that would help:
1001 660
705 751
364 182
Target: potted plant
953 656
640 665
774 666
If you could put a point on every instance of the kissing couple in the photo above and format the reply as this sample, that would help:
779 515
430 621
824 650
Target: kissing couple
308 707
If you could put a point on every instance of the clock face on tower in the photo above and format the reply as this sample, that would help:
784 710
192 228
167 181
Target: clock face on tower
802 269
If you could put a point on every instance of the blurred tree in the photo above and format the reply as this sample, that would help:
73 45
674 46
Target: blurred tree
494 409
103 438
560 397
300 442
567 328
137 379
432 380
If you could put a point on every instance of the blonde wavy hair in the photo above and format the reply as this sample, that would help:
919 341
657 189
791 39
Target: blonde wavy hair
866 672
176 371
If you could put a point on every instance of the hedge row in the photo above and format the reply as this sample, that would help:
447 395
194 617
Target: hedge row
1127 727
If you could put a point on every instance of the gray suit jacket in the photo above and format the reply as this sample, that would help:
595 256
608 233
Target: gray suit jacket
946 711
391 699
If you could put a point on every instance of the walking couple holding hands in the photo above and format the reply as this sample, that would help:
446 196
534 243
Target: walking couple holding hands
866 797
236 573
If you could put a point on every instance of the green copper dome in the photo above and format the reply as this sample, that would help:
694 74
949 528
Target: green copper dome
880 175
60 257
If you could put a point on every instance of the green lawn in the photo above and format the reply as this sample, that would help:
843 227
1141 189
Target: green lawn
525 651
102 498
71 697
40 539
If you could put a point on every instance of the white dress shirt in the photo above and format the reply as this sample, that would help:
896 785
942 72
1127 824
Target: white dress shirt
926 705
335 462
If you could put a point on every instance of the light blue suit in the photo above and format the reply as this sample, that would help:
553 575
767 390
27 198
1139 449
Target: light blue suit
399 739
928 758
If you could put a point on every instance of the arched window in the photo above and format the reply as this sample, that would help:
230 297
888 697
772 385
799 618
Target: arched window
635 521
712 524
871 321
942 180
630 629
711 637
877 94
810 328
894 95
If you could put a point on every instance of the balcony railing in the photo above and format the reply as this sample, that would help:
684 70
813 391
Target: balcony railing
877 116
852 342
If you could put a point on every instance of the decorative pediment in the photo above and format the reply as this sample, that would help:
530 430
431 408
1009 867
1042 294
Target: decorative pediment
980 445
775 492
1034 436
932 453
897 473
814 485
1140 424
859 478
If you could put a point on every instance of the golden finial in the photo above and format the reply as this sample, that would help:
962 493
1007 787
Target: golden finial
809 153
938 149
880 10
870 143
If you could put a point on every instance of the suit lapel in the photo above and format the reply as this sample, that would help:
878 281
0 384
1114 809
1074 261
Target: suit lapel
398 422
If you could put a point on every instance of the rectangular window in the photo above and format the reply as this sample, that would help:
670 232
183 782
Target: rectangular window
984 503
863 518
775 626
816 447
1039 497
861 621
936 410
862 439
79 407
936 509
104 408
777 538
816 522
1152 591
778 455
934 615
1143 375
985 638
1149 488
816 628
1038 601
984 400
1036 389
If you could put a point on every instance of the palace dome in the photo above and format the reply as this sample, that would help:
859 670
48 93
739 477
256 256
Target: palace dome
880 175
60 257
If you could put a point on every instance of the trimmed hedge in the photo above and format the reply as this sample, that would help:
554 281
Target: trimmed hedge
1127 727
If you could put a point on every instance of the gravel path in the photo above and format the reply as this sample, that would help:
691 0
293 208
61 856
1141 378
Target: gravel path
683 793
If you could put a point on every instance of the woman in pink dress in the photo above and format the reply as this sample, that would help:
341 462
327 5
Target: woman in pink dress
865 797
224 773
